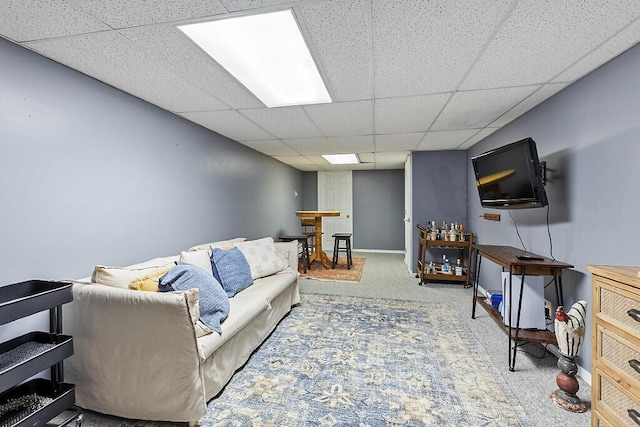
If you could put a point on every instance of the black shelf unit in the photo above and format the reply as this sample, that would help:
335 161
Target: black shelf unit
39 400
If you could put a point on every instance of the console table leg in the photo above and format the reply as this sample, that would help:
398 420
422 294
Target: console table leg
512 364
475 286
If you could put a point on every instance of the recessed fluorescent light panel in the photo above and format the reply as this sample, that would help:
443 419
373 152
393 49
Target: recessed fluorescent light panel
341 159
266 53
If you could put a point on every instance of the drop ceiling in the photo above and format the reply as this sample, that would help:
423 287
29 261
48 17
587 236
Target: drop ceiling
404 75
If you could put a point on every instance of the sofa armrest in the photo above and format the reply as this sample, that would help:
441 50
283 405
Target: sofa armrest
290 252
135 353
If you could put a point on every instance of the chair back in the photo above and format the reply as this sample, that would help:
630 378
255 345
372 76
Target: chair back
307 221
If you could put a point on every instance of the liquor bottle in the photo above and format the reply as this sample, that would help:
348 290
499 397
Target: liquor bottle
445 265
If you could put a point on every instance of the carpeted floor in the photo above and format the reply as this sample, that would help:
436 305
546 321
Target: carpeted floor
338 274
352 361
478 343
386 276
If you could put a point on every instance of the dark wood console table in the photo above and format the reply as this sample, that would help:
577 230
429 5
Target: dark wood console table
507 258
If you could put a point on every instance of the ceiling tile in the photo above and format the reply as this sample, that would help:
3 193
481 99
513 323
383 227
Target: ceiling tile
477 137
520 55
169 46
622 41
398 141
272 147
294 160
308 168
349 144
339 33
26 20
229 123
343 118
309 146
284 122
392 160
445 140
410 114
112 59
476 109
539 96
130 13
464 68
426 47
237 5
367 157
319 160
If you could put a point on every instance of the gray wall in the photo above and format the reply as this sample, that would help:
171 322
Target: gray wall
310 191
378 209
92 175
589 134
439 181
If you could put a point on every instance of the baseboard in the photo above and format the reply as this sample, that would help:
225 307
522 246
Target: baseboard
381 251
582 373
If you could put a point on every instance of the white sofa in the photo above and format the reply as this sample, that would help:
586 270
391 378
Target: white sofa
139 354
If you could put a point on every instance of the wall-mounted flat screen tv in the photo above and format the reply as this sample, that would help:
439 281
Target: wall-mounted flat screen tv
510 177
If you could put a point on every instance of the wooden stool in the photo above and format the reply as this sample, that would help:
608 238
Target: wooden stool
303 240
337 238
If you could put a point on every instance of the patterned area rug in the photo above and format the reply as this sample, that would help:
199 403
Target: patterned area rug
345 361
338 274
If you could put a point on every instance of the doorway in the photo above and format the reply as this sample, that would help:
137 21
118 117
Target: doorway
335 193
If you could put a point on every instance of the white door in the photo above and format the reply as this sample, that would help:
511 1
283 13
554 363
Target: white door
335 193
408 220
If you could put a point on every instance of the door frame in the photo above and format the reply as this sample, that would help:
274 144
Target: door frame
408 213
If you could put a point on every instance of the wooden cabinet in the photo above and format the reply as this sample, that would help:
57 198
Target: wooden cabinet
463 250
38 400
615 389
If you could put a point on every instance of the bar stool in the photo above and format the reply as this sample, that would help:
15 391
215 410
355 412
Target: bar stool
304 242
337 238
309 229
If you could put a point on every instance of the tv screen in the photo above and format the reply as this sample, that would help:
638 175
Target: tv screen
510 177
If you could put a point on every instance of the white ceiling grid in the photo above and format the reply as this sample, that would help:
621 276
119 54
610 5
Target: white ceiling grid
404 75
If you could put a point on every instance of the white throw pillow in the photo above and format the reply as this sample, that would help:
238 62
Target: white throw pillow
262 257
201 258
222 244
121 277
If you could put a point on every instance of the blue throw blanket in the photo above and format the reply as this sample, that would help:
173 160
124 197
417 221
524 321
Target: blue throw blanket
213 300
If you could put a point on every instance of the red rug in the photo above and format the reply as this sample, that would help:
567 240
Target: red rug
338 274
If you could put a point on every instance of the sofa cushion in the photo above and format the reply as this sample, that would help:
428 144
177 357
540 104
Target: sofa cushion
246 306
222 244
262 257
121 277
200 257
156 262
149 283
231 269
213 302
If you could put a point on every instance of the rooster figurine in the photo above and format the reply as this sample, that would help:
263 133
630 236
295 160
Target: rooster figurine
570 329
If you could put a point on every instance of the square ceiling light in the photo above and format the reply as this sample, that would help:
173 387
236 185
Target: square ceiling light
266 53
341 159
